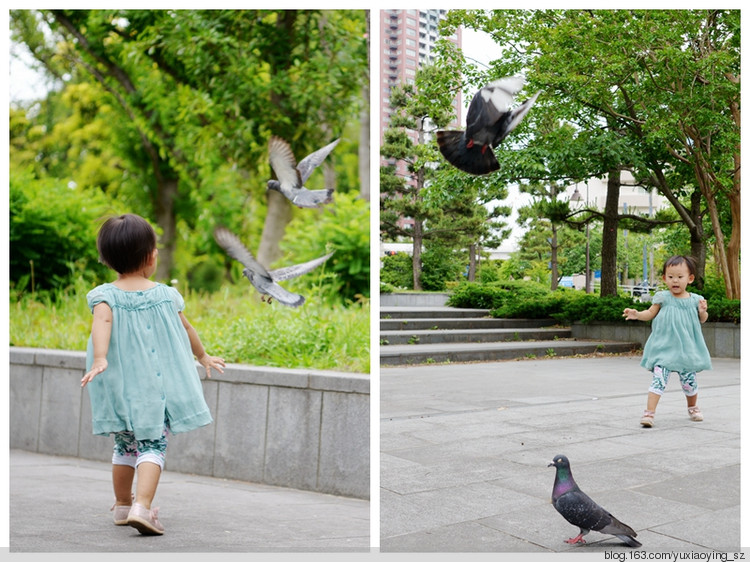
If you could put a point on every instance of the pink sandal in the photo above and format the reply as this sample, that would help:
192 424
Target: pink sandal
648 418
695 413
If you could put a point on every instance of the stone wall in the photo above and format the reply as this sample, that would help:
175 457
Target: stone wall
722 338
295 428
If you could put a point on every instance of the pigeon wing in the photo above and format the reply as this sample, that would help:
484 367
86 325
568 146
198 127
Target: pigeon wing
312 161
237 250
514 118
299 269
283 163
580 510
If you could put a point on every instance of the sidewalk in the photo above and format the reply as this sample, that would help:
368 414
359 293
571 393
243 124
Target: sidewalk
465 449
61 504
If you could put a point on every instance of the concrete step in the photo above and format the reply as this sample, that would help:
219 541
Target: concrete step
411 337
462 323
398 312
495 351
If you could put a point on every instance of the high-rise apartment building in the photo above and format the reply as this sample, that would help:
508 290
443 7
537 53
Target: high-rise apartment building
407 39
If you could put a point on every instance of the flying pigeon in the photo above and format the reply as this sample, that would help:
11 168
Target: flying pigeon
488 122
580 510
266 282
292 176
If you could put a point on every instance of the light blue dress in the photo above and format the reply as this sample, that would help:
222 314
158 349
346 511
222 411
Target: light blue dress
676 341
151 374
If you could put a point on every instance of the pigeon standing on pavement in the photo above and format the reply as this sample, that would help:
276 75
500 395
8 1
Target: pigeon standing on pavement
488 122
266 282
292 176
583 512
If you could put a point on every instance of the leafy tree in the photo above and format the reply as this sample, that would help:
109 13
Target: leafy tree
201 90
658 90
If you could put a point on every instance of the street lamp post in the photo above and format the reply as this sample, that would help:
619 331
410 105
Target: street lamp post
578 197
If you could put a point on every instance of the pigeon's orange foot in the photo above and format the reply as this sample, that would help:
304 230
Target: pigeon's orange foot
470 143
484 148
576 540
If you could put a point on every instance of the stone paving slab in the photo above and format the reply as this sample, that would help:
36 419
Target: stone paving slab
61 504
465 448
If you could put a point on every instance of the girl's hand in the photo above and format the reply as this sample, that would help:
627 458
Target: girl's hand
630 314
210 362
702 306
97 367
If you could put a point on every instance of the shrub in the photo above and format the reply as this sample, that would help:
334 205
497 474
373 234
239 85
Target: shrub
397 270
54 226
343 227
495 295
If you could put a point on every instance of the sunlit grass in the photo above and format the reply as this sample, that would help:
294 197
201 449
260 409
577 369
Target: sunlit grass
232 323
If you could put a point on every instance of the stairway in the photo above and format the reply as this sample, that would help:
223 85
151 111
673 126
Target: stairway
438 334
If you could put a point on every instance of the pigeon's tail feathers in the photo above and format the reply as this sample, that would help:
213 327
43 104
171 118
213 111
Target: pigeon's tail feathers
472 160
622 531
283 296
628 540
306 198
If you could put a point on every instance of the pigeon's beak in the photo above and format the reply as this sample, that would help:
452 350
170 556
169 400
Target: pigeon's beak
551 464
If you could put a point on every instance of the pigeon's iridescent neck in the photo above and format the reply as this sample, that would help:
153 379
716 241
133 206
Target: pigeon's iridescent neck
563 482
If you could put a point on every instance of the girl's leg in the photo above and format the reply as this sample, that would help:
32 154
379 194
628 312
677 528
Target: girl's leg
151 455
652 401
124 455
148 480
690 388
122 481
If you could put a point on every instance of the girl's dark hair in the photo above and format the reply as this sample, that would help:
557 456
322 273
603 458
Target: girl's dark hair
679 260
125 243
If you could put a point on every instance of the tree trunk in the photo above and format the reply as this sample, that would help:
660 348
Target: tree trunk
278 215
416 256
553 259
609 235
472 273
279 209
166 193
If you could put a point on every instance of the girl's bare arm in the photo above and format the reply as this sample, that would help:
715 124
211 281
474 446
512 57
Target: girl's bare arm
644 315
199 351
101 331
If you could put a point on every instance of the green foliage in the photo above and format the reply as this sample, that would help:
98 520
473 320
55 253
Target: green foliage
54 226
396 270
342 227
494 295
440 265
570 305
232 324
489 272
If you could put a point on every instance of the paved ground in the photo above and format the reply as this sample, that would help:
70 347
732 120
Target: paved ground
61 504
465 449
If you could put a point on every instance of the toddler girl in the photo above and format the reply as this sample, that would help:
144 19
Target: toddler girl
141 377
676 342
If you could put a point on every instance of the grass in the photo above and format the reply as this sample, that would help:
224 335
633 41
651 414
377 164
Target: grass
232 323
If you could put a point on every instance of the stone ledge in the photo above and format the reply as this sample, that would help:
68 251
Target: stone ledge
298 428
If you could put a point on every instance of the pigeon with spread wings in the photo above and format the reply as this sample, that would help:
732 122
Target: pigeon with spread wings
488 122
265 281
292 176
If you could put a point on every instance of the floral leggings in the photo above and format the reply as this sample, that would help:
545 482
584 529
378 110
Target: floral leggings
661 376
130 451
